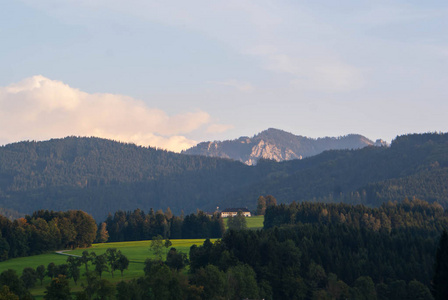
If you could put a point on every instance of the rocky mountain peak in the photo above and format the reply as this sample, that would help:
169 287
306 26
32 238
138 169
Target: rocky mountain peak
278 145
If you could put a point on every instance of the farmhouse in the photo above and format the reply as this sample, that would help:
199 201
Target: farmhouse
234 211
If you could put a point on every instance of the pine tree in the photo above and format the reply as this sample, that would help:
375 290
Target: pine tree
439 284
103 234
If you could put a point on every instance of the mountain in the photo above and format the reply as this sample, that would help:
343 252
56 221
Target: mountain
101 176
278 145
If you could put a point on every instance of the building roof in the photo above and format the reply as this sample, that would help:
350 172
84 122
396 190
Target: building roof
243 209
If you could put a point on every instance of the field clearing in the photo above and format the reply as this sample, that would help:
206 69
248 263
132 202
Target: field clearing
255 222
136 252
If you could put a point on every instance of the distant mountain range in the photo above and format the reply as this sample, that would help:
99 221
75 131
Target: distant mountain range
101 176
278 145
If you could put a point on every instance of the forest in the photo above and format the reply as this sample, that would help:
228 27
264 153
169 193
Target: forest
305 251
44 231
102 176
137 226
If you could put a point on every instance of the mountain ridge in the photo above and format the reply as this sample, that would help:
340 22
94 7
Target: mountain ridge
101 176
278 145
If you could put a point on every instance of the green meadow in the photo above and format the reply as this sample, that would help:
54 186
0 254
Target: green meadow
255 222
137 252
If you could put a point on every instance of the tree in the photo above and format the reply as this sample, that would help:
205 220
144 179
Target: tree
365 287
176 260
73 268
85 258
29 277
85 228
103 234
51 270
156 246
439 284
62 269
237 222
105 290
261 206
6 294
131 290
4 248
316 277
9 278
100 263
40 272
112 258
58 289
213 280
122 263
168 213
242 282
271 201
418 291
92 284
167 244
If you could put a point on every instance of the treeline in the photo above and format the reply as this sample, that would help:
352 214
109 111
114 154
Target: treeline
325 261
414 213
295 262
44 231
137 225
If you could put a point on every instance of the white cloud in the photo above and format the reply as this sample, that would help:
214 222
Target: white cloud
40 108
219 128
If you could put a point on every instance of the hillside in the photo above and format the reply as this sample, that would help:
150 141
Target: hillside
278 145
101 176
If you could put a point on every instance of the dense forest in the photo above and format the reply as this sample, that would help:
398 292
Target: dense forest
101 176
136 226
44 231
389 216
305 251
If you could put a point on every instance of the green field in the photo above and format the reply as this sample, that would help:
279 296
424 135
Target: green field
255 222
136 252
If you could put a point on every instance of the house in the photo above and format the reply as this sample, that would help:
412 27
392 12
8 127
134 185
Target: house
231 212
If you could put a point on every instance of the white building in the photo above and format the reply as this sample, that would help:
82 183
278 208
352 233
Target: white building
231 212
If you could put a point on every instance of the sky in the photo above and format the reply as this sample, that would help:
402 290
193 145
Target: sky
170 74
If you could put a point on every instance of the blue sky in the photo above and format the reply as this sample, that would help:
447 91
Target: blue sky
173 73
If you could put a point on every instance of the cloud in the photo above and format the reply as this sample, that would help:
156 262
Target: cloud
39 108
218 128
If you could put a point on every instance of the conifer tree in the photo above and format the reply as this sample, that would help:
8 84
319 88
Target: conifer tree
439 282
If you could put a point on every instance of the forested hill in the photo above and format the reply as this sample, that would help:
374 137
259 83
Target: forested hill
101 176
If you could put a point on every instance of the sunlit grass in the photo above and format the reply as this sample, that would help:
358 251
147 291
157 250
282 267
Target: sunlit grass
255 222
136 252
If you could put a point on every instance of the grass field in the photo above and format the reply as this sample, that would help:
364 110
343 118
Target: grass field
255 222
136 252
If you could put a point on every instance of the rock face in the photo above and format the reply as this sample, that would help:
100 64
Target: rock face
278 145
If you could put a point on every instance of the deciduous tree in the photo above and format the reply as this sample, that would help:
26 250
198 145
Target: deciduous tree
58 289
40 272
